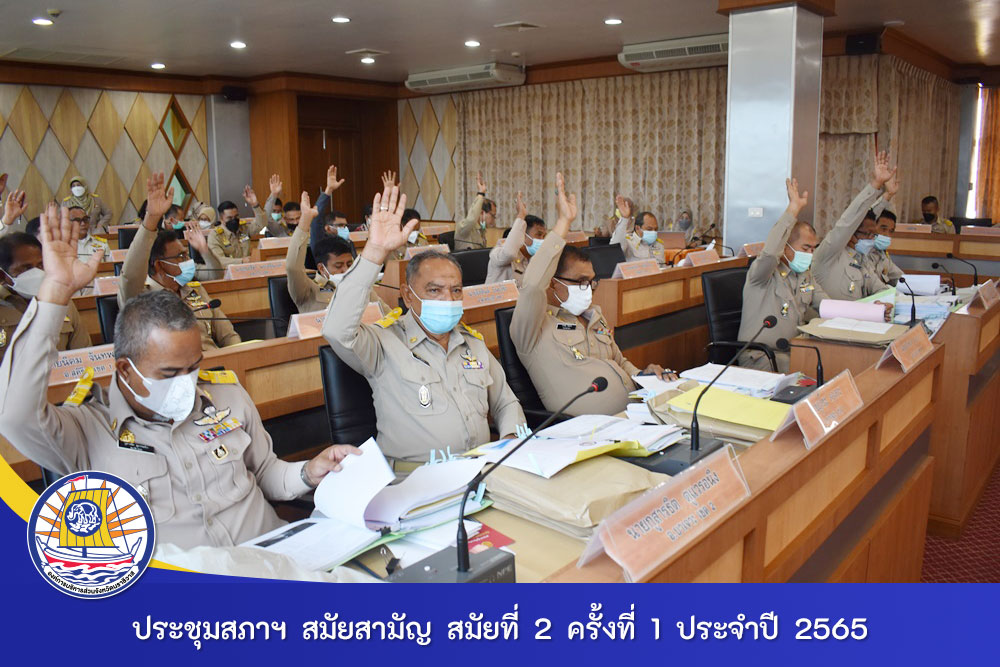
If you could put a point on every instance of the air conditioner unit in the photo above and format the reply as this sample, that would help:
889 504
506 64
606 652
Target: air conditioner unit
492 75
686 53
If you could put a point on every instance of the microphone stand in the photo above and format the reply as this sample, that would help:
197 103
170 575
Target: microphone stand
913 302
951 275
975 271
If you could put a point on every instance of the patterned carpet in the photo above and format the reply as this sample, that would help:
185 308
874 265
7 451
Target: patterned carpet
975 557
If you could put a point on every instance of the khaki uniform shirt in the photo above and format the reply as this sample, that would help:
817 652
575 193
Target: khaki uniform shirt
201 492
939 226
838 268
562 353
98 211
72 334
774 289
468 232
215 333
633 247
880 264
426 398
90 245
421 241
506 259
230 248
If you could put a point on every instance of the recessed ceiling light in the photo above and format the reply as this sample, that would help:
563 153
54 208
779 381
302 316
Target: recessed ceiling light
368 60
41 20
341 19
158 66
238 45
471 43
612 21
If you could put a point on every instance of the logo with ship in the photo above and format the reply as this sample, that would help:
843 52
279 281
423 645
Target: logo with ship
90 535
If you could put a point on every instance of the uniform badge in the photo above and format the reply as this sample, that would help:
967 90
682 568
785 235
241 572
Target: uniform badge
851 288
424 396
471 363
220 429
126 436
784 309
220 453
577 354
212 416
3 337
566 327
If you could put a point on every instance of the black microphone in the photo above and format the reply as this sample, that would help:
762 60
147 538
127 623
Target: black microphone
211 305
733 252
674 258
975 271
913 302
599 384
951 275
785 345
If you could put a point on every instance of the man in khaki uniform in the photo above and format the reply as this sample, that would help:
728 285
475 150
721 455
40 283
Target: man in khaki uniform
157 261
879 261
21 274
415 238
434 381
229 241
88 244
190 441
642 242
839 261
561 338
471 232
510 257
930 209
780 283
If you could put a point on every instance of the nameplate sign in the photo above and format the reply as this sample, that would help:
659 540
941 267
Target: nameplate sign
413 251
106 285
310 325
751 249
273 242
576 237
820 413
118 256
637 269
275 267
433 229
972 230
650 530
985 298
913 228
703 257
71 364
358 237
487 295
908 349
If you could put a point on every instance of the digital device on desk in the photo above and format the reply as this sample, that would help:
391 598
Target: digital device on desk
795 393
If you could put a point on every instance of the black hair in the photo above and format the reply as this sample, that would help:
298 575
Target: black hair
174 210
532 221
569 254
159 247
488 206
277 202
366 212
331 246
888 215
336 214
227 205
410 214
292 206
870 215
506 232
930 199
34 226
797 230
9 243
640 217
142 209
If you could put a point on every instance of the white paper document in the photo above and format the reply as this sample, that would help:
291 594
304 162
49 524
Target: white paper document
654 385
847 324
922 284
548 456
639 414
421 492
759 384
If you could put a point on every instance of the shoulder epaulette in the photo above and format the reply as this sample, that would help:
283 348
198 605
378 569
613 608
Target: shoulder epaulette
219 230
472 332
193 283
390 318
82 388
218 377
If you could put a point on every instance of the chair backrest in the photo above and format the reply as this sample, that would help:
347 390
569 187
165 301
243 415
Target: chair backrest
723 292
517 375
107 313
447 238
971 222
475 264
598 240
350 408
605 258
281 304
125 236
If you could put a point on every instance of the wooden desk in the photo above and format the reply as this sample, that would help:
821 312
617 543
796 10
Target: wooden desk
915 253
851 509
836 357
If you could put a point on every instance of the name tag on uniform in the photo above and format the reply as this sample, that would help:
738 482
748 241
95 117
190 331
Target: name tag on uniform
136 447
566 327
471 363
220 429
807 288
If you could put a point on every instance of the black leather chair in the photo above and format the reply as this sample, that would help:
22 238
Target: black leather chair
107 313
605 258
723 292
350 408
125 236
281 304
517 375
598 241
447 238
475 264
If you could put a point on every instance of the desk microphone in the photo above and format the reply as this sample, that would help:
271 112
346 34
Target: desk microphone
674 258
951 275
913 302
975 271
784 345
733 252
211 305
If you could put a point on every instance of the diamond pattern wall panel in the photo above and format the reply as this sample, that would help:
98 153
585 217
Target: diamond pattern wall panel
51 161
428 136
68 123
28 122
141 126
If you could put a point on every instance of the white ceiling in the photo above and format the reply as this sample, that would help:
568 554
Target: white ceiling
192 36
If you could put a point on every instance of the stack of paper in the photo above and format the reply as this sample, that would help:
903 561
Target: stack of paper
639 413
427 491
918 283
650 386
421 544
847 324
759 384
723 413
633 439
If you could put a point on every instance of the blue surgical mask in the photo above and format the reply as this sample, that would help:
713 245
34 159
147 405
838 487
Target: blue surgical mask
649 236
178 225
439 317
864 246
187 268
276 217
801 262
482 224
883 242
533 247
344 233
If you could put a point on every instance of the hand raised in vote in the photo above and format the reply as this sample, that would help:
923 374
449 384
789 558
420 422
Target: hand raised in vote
275 185
331 179
14 206
195 238
328 461
3 183
388 179
522 210
309 211
480 183
565 207
386 231
892 186
623 206
796 201
250 197
882 172
158 200
65 274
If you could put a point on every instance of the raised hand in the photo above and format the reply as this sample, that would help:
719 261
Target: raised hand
309 212
158 200
250 197
796 201
480 183
522 210
195 238
882 171
565 206
65 274
14 207
385 231
388 179
623 206
275 184
331 179
892 186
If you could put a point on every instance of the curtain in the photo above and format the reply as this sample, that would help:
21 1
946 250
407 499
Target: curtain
988 194
657 138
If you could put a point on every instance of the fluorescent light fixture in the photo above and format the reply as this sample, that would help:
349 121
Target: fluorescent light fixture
238 44
41 20
471 43
341 19
368 60
612 21
158 66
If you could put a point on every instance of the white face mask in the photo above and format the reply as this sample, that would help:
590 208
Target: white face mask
28 283
169 398
78 190
579 298
412 238
205 224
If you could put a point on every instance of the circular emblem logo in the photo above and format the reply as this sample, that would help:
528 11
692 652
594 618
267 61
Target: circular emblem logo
91 535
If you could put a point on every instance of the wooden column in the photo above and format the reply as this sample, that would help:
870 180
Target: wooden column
274 141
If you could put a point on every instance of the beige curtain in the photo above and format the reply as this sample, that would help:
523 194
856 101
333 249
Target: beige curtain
988 194
659 138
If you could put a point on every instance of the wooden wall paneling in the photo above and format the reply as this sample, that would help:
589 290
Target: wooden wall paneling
821 7
274 145
902 529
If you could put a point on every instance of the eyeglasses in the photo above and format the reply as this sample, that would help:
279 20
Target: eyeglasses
580 283
183 257
84 220
864 235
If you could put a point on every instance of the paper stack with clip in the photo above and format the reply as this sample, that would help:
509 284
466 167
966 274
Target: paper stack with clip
759 384
725 414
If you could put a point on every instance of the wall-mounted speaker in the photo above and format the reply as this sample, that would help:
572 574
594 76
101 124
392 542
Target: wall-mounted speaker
863 44
234 93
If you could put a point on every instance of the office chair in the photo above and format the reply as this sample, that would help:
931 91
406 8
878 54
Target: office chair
517 375
447 238
475 264
125 236
598 241
281 304
350 407
605 258
723 292
107 313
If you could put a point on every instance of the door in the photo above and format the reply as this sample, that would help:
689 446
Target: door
319 147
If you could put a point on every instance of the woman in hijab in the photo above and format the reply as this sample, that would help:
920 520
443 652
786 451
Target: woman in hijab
684 223
81 197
